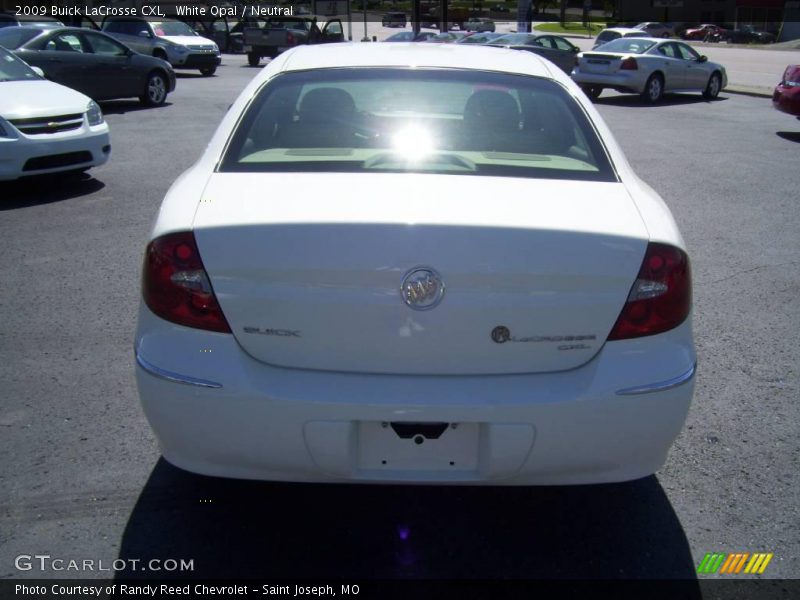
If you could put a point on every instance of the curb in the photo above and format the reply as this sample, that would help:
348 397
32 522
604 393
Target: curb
747 91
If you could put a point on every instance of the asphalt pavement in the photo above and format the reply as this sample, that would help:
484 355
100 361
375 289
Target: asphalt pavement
81 476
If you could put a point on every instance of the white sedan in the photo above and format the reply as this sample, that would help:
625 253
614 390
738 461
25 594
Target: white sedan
650 67
46 127
405 264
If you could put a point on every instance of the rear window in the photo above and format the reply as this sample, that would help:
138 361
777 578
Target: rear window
605 36
628 45
14 37
417 120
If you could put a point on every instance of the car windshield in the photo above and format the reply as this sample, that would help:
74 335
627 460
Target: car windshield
479 38
162 28
417 120
14 37
514 38
13 69
628 45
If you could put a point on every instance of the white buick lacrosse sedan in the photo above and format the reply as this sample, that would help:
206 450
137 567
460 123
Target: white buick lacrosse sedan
415 263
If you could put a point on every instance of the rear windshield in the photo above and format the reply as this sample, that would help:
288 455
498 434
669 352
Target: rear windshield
628 45
417 120
607 35
14 37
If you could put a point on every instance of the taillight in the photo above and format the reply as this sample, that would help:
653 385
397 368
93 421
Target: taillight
289 37
175 284
661 296
629 64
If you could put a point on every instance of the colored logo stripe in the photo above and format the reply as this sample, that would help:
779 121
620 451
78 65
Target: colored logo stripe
758 563
711 562
714 562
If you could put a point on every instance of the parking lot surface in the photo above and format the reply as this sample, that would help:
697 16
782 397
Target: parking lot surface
81 475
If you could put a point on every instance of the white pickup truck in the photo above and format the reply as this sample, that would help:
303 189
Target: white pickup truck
272 36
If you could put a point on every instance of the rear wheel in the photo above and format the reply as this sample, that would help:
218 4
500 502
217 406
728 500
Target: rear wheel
653 89
252 59
155 90
714 86
208 71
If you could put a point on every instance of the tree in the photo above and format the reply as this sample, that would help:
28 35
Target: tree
563 12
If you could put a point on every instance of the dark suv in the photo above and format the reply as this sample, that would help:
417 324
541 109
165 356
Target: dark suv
394 19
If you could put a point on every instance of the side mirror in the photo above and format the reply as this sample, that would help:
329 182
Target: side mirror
39 72
703 58
575 49
145 34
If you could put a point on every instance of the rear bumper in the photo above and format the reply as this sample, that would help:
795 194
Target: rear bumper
787 99
629 82
217 411
24 155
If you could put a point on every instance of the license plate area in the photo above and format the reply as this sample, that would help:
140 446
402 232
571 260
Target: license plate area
399 446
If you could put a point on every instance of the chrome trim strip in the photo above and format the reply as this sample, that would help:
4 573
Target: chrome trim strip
660 386
175 377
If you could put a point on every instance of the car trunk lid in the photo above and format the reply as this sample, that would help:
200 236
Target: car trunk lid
308 269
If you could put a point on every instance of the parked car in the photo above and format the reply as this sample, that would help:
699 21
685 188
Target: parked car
705 32
479 38
554 48
614 33
660 30
448 37
786 96
418 335
168 39
650 67
749 35
10 19
45 127
501 8
410 36
479 25
283 33
394 19
92 63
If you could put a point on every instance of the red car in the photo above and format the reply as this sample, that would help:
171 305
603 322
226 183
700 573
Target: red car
786 96
703 32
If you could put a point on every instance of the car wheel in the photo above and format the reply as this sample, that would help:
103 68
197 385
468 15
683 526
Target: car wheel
653 89
593 91
252 59
713 88
158 53
155 90
208 71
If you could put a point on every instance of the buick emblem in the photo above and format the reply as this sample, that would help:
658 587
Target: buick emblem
422 288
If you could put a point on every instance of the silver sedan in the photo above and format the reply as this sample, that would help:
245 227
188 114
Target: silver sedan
649 67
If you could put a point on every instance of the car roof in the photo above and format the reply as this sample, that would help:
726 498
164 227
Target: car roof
446 56
622 30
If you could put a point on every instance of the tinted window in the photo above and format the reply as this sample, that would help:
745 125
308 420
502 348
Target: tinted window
632 45
417 120
100 44
686 52
14 37
13 69
64 42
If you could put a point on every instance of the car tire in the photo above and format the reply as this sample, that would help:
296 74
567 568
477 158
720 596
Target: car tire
252 59
592 91
713 87
653 89
155 89
208 71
